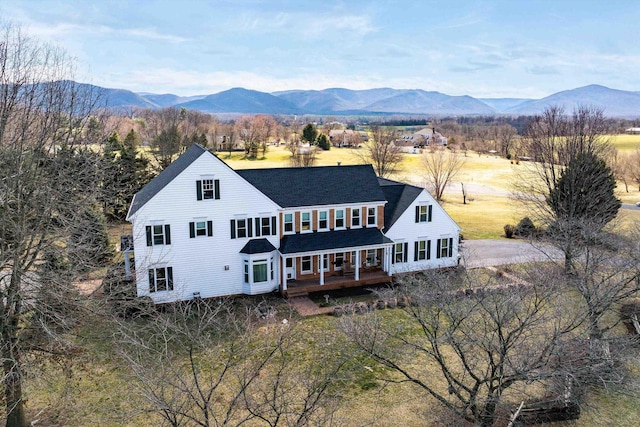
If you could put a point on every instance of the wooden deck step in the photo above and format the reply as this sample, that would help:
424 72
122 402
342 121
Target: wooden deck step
297 292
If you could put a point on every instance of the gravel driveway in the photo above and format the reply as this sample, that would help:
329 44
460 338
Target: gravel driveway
485 253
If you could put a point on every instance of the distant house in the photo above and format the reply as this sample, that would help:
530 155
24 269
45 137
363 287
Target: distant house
347 138
202 229
633 131
421 139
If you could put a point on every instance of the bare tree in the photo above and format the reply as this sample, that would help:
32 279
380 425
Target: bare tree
210 364
467 348
47 184
505 136
440 168
633 167
381 152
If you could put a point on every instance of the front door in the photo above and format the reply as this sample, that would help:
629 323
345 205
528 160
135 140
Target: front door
290 267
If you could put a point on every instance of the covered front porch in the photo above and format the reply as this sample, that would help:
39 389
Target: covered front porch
334 260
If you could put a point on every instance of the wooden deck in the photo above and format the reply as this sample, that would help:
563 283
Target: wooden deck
307 286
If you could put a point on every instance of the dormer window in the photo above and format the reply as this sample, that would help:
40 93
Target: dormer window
372 217
305 222
355 218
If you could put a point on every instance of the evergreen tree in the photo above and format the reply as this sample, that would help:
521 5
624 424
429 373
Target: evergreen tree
309 133
323 142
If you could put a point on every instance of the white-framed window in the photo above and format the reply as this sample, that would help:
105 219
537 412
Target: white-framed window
260 271
246 271
265 226
424 213
306 265
200 229
241 228
158 234
339 219
305 222
372 217
400 252
288 223
207 189
371 257
445 247
323 220
422 250
325 262
160 279
355 218
271 267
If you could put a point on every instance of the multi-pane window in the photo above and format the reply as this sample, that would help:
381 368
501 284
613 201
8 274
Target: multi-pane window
246 271
208 189
265 226
160 279
158 234
371 257
339 218
423 213
288 223
259 270
400 252
325 262
372 217
305 221
422 250
200 228
355 217
323 220
445 247
339 260
306 264
241 228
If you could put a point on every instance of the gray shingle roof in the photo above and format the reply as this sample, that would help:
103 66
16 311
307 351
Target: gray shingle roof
399 197
352 238
165 177
316 186
257 246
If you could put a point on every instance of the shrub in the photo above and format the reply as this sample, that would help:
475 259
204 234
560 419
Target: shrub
509 230
525 227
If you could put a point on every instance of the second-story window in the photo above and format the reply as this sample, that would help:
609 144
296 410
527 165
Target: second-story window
208 189
305 221
288 223
355 218
323 220
339 214
423 213
159 234
372 217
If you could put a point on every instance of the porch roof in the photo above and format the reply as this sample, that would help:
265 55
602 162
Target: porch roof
328 240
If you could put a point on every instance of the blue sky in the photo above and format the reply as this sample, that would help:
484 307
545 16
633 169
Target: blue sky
483 48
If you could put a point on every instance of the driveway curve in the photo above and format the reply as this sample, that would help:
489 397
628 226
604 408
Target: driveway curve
487 253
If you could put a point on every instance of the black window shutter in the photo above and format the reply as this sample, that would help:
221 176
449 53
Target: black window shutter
417 213
152 285
273 226
393 254
209 228
415 251
249 227
149 237
450 246
167 234
438 249
430 212
428 249
233 228
216 183
192 229
170 278
406 252
258 228
199 190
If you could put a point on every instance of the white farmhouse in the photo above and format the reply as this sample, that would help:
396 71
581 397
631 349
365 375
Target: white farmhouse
201 229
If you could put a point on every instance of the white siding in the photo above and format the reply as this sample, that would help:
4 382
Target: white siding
405 229
200 264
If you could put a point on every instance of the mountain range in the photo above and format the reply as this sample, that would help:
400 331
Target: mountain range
382 101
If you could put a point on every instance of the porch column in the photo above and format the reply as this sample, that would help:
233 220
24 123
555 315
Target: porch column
321 262
357 275
284 273
388 254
